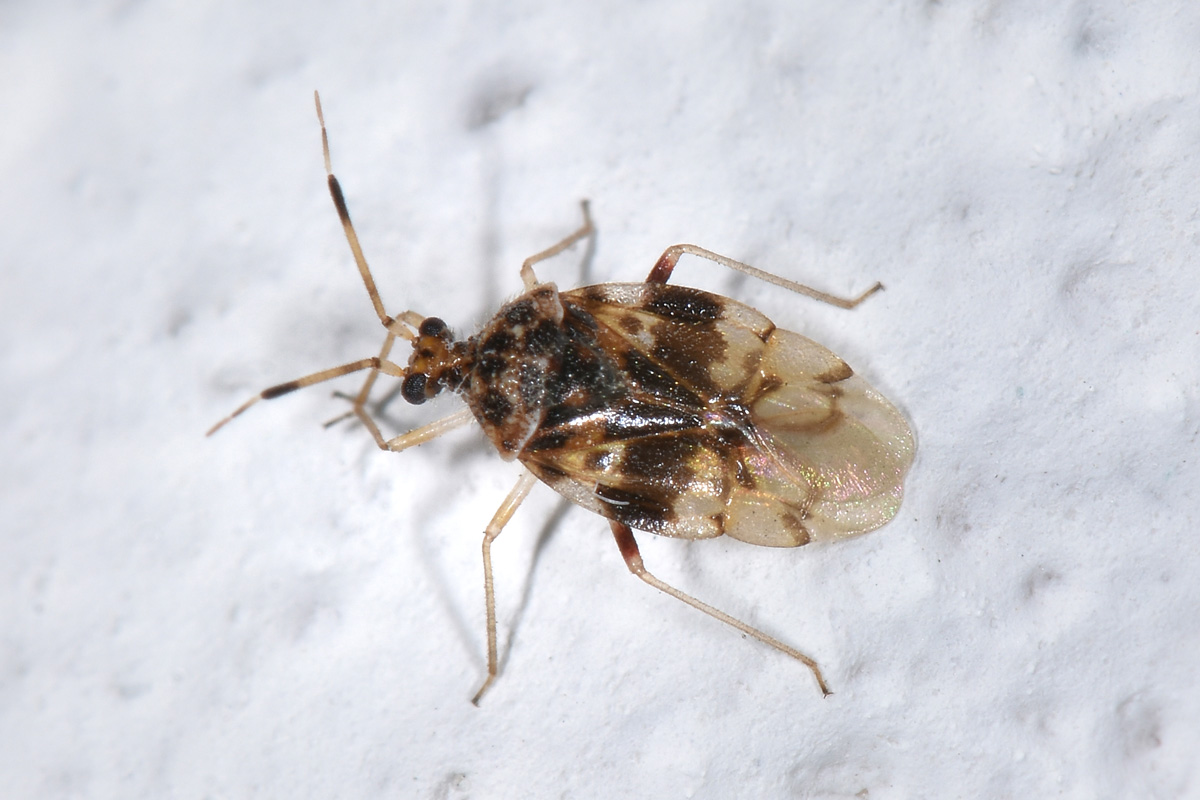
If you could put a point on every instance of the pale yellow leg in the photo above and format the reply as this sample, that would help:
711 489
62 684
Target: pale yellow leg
587 229
662 270
499 520
402 326
375 363
358 402
633 559
424 433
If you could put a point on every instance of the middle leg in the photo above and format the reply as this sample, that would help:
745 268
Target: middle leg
587 229
661 273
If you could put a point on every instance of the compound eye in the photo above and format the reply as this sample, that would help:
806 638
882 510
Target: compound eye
431 326
413 388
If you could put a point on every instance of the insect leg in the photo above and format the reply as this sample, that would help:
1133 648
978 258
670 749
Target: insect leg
499 520
358 402
633 559
662 270
424 433
395 326
373 363
587 229
339 202
358 407
405 440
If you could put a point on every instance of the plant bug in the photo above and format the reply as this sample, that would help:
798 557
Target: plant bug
660 407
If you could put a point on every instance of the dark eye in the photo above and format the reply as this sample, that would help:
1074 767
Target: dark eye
431 326
413 388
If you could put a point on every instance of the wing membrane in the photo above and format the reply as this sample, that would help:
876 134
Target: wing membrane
832 452
724 424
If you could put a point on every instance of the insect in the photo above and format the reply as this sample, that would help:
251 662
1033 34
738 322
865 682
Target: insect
660 407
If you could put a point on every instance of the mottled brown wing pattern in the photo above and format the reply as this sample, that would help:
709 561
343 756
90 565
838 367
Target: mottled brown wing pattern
708 344
663 408
721 424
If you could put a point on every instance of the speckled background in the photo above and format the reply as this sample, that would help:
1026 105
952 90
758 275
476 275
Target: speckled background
285 611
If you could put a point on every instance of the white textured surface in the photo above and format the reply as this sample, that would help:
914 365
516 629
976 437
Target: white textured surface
282 611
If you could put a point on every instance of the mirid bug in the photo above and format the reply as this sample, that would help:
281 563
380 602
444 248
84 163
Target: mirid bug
662 408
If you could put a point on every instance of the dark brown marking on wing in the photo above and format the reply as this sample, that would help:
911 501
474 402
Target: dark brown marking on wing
750 361
594 293
683 304
793 523
839 373
601 460
660 461
650 378
606 395
743 475
547 474
581 369
636 420
769 384
581 323
635 510
826 423
686 342
583 383
690 348
687 351
561 414
730 435
552 440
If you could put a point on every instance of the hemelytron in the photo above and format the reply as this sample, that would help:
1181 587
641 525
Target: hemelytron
662 408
